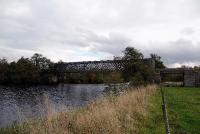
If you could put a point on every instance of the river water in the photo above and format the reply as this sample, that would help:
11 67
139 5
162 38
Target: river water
18 104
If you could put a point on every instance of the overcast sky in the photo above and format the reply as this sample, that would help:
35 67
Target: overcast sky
77 30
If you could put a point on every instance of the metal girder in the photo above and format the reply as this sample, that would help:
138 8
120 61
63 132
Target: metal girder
94 66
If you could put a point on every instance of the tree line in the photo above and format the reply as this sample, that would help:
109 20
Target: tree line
39 69
32 70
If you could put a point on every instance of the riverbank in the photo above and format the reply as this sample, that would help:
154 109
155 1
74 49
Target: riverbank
112 114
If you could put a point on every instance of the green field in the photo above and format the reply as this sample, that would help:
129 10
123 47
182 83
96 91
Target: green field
183 109
183 106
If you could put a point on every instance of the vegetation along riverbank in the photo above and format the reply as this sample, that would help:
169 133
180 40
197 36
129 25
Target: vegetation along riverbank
137 110
126 113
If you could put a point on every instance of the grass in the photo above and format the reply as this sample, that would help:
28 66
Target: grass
153 124
183 109
124 114
183 106
138 111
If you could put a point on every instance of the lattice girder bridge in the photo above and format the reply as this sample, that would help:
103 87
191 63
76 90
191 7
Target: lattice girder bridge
98 66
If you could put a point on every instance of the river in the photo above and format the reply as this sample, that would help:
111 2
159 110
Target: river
22 103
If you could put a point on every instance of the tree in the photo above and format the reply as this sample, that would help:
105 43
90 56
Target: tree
38 69
130 53
23 71
3 70
42 63
158 63
136 71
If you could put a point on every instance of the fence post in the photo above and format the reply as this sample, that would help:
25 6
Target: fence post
165 117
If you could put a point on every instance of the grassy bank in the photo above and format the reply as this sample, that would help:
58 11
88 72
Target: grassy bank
183 109
138 111
127 113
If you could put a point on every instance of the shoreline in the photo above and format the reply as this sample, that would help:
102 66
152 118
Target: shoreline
101 116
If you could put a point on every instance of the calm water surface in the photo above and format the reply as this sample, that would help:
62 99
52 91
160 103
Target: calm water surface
18 104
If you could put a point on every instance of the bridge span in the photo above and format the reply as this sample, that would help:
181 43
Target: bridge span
98 66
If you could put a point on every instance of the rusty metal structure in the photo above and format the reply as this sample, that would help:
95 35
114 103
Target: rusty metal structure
98 66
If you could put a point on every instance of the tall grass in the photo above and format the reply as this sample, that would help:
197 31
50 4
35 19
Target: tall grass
109 115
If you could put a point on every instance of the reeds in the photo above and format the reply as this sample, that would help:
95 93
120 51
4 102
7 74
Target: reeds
109 115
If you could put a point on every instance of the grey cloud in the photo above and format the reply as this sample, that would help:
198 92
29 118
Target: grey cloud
113 43
100 27
188 31
179 51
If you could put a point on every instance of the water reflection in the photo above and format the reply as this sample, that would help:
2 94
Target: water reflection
18 104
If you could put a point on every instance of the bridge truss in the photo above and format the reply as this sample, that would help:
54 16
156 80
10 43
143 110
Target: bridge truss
98 66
